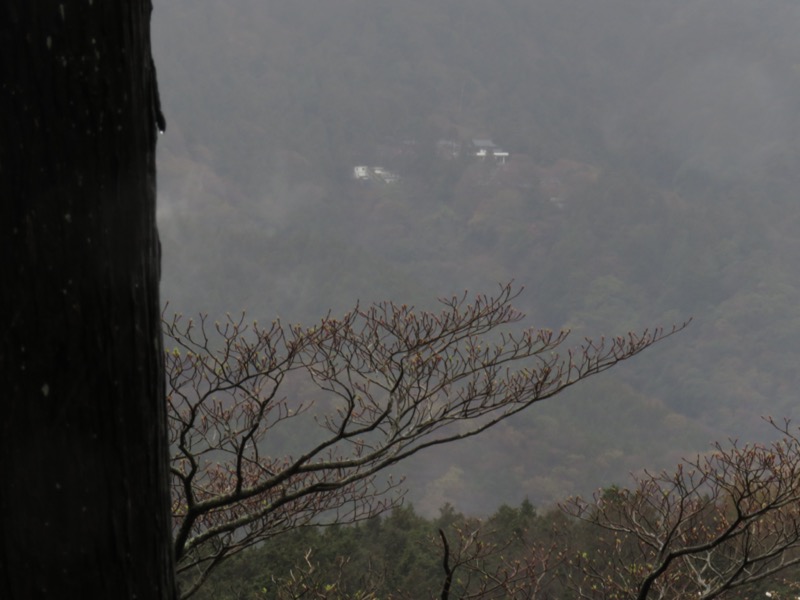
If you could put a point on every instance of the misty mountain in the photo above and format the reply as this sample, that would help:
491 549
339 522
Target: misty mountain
651 177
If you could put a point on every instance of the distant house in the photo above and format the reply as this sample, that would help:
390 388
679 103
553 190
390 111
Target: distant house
500 156
385 175
380 174
485 147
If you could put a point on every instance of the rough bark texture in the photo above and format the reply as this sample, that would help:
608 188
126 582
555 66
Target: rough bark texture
83 457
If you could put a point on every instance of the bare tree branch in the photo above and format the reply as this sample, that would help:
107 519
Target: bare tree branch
719 522
366 391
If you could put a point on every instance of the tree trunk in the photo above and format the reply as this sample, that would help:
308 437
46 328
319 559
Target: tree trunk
84 502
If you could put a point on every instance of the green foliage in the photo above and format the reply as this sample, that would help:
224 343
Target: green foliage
391 555
533 553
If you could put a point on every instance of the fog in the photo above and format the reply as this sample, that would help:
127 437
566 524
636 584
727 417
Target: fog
651 177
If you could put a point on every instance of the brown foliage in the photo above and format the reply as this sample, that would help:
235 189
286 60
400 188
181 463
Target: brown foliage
386 381
719 522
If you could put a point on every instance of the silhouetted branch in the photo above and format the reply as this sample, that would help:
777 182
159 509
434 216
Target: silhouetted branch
367 391
448 572
719 522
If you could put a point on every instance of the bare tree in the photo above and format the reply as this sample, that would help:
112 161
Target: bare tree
309 581
719 522
494 570
476 565
84 500
376 387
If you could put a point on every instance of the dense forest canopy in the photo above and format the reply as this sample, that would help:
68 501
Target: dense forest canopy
650 179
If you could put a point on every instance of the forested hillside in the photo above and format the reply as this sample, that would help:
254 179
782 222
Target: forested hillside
515 553
651 177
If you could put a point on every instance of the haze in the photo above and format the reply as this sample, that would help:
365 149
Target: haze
644 171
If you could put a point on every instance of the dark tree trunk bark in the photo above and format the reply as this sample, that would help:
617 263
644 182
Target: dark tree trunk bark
84 502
